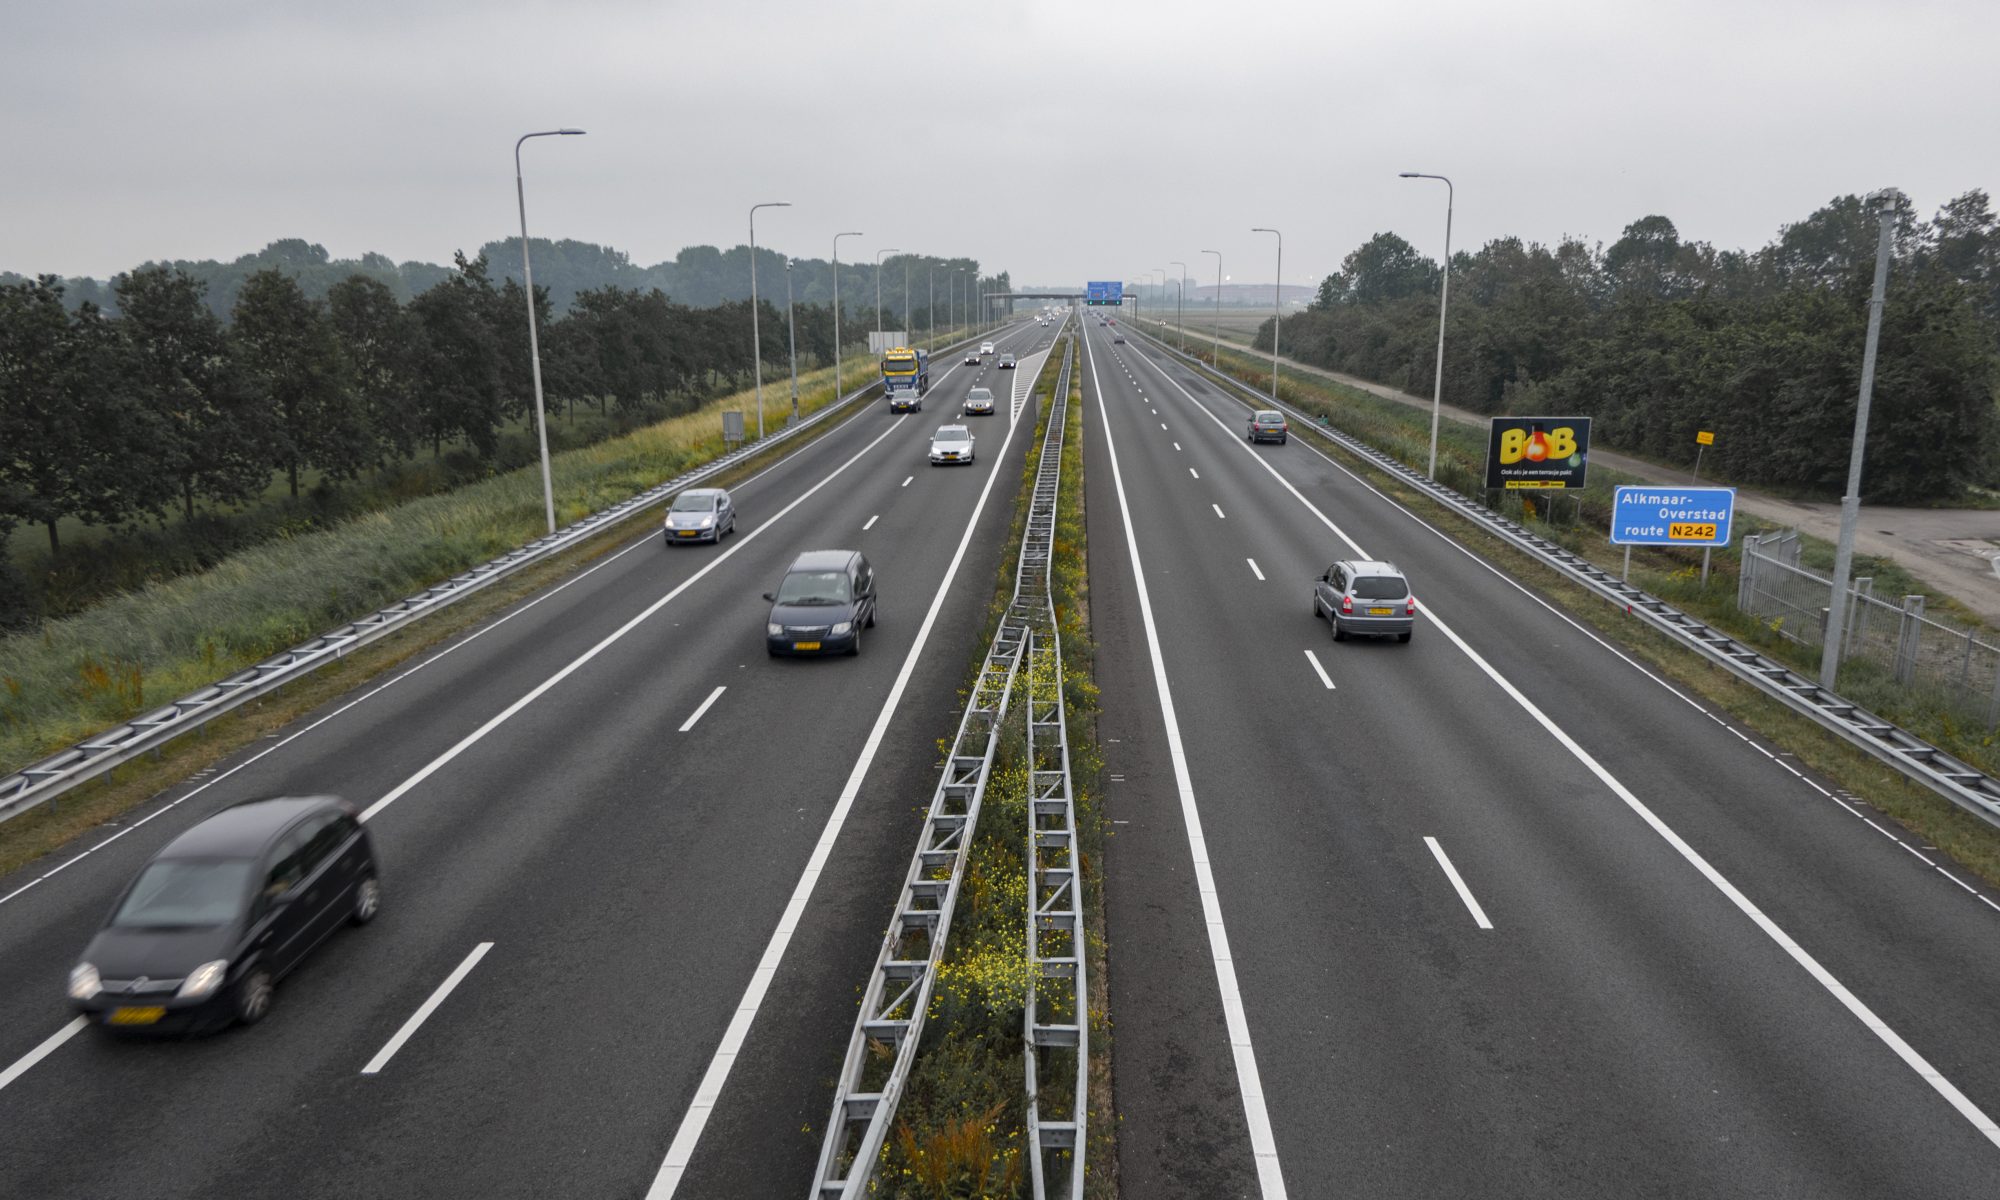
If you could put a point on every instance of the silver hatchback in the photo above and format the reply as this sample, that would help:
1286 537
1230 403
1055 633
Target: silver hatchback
1368 598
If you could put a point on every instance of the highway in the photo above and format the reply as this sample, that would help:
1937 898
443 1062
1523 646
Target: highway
592 813
1497 912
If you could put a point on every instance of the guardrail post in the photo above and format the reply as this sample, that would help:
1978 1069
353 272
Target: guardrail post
1909 630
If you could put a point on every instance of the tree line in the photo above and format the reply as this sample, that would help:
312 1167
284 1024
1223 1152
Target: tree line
1658 338
158 406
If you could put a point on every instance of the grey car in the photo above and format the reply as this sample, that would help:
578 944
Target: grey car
700 515
1267 425
979 401
1366 598
1006 363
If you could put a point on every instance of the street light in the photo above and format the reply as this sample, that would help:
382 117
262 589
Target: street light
908 324
930 308
878 286
1217 362
836 309
1277 312
756 342
1444 297
1885 202
534 345
792 338
1180 303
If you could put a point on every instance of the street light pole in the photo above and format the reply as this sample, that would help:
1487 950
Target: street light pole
1277 311
534 344
792 339
878 286
1180 303
930 308
836 310
1218 307
909 326
756 341
1885 202
1444 297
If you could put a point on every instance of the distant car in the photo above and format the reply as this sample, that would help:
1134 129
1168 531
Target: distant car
1267 425
700 515
222 913
986 347
1006 362
1117 339
1368 598
972 359
979 401
826 598
951 444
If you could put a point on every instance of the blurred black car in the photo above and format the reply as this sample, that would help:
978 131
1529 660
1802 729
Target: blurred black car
224 912
826 599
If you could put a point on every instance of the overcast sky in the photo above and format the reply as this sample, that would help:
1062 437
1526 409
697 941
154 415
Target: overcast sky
1058 140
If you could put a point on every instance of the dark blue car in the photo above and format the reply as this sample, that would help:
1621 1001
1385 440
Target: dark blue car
826 600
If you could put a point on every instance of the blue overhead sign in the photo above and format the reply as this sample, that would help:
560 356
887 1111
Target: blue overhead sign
1662 515
1104 292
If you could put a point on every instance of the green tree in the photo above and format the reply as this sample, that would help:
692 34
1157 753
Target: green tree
380 340
289 354
459 361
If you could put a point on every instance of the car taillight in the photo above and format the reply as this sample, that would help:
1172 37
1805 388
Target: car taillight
1410 609
1347 604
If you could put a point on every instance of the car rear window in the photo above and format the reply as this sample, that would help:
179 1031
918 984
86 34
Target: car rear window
1380 587
185 893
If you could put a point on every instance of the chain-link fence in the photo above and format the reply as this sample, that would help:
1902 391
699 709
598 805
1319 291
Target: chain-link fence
1956 665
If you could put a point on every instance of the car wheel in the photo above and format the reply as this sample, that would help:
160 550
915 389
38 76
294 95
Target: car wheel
1339 634
367 901
1402 637
251 997
1316 612
855 647
1251 438
1281 441
871 616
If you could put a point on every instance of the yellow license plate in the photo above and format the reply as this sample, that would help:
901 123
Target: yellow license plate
687 532
136 1016
805 645
1381 612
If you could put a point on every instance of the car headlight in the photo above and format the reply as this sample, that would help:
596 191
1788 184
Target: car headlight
203 980
83 982
843 628
707 521
774 630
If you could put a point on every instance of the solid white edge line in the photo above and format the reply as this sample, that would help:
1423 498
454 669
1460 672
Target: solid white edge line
1464 893
48 1047
1255 569
1861 1012
424 1010
870 522
703 708
1319 670
1263 1143
709 1091
616 635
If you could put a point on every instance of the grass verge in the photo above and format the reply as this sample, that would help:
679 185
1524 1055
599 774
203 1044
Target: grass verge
961 1127
1578 523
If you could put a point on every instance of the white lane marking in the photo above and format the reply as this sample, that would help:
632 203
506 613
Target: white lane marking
709 1091
424 1010
644 541
1163 424
1177 445
1263 1143
48 1047
906 482
870 523
1195 473
712 698
1319 670
1218 511
1464 893
616 635
1255 569
1861 1012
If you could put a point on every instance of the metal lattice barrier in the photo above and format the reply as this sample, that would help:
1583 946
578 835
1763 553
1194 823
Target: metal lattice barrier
883 1044
1960 782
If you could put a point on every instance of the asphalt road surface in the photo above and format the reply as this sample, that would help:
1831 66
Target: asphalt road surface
567 784
1494 913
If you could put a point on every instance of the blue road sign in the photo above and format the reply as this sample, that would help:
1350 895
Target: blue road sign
1104 292
1665 515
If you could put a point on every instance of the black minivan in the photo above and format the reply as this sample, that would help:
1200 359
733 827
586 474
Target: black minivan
827 597
227 909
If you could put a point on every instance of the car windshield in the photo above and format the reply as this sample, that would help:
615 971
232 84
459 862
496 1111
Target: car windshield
1270 418
979 394
692 502
899 366
814 587
950 433
1380 587
185 893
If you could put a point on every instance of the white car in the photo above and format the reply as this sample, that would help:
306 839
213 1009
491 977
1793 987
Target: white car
986 347
700 515
979 401
951 444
